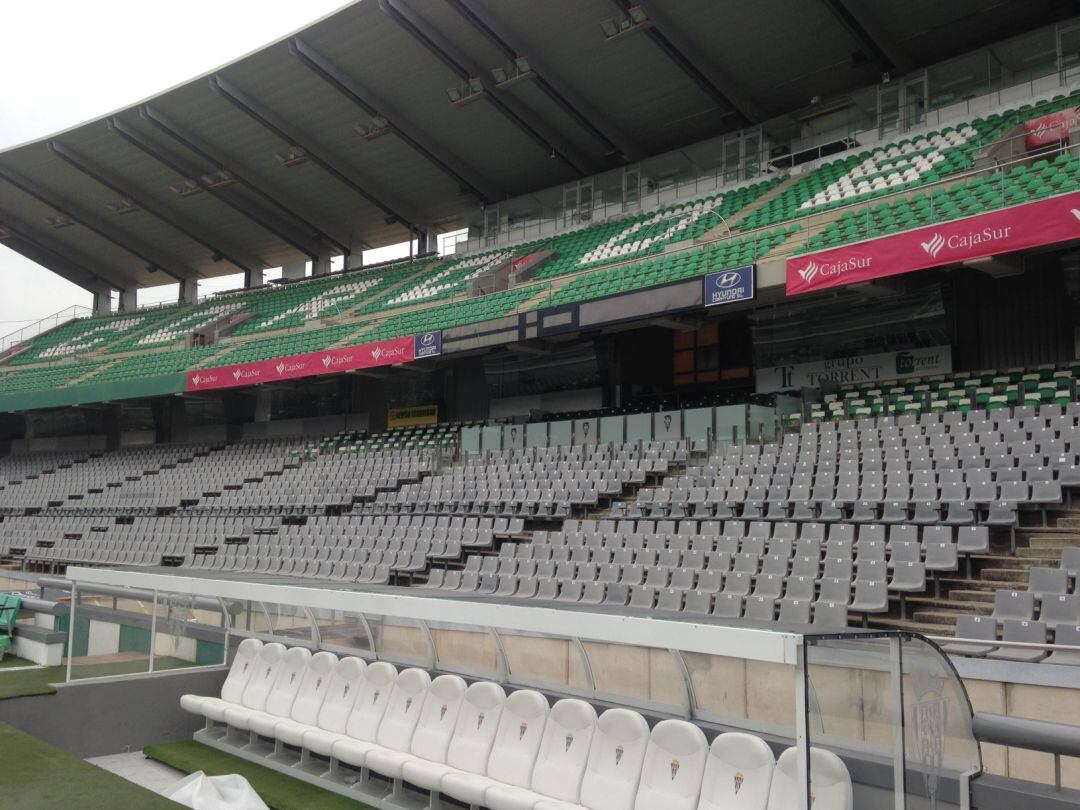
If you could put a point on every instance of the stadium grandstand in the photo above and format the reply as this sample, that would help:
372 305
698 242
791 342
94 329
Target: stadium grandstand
712 444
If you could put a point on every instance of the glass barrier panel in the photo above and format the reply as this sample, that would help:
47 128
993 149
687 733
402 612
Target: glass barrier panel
940 749
640 676
853 719
757 695
466 649
289 623
189 631
343 632
401 641
109 633
545 661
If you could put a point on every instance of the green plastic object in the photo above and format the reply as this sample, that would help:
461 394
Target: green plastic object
10 606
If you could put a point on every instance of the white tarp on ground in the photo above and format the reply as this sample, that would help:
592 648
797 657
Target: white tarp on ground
201 792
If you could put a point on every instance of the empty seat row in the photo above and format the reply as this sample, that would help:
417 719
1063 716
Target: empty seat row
478 745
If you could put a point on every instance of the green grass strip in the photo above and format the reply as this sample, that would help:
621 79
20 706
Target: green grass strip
26 682
279 791
39 776
14 661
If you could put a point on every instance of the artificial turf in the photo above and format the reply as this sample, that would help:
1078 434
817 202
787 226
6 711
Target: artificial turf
37 681
14 661
39 776
278 790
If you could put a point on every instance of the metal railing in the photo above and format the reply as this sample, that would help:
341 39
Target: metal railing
44 325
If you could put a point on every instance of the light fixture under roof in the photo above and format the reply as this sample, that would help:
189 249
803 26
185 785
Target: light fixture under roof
121 207
466 93
59 221
634 20
293 156
516 71
378 127
219 178
188 188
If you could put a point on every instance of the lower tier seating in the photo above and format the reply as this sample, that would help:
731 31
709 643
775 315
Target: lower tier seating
478 745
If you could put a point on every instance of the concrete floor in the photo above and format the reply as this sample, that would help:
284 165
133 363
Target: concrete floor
136 768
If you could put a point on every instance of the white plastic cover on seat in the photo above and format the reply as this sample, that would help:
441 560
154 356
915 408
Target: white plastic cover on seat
279 701
357 700
470 745
430 739
673 766
261 681
513 751
738 773
560 762
309 700
398 720
614 766
233 688
830 784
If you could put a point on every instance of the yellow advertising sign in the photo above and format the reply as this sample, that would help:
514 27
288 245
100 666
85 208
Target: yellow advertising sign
410 417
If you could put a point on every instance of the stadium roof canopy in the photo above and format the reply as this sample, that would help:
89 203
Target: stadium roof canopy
395 115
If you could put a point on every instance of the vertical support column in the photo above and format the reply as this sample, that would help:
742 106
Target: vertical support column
355 259
802 730
71 628
103 301
153 630
294 271
896 670
189 291
321 266
129 301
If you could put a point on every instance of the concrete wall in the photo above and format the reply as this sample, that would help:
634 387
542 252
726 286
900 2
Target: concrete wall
90 719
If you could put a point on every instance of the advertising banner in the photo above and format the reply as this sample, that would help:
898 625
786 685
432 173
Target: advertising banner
867 369
411 417
729 286
330 361
1050 128
1018 227
427 344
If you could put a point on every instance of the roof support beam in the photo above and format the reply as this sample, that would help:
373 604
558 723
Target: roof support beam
564 97
317 154
864 29
189 171
688 58
190 230
53 256
223 163
169 265
465 176
438 46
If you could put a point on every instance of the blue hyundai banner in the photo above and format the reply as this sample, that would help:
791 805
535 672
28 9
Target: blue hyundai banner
428 344
729 286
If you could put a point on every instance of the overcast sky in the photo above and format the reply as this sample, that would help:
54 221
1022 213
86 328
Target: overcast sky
68 61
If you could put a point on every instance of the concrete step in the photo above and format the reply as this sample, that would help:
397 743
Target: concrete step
947 616
972 595
926 628
1055 541
1047 556
1005 576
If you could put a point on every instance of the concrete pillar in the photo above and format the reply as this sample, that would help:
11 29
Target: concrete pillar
294 271
128 300
428 240
103 301
253 278
355 259
189 291
321 266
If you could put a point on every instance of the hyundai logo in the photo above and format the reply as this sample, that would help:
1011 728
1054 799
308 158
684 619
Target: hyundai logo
727 280
427 339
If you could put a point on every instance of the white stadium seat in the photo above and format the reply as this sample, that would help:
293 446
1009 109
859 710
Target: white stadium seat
476 745
513 752
614 766
470 745
560 761
233 688
738 773
430 739
830 784
279 700
673 767
314 688
263 672
372 687
399 719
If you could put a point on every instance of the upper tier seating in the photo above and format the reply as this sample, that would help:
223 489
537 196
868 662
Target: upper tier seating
479 746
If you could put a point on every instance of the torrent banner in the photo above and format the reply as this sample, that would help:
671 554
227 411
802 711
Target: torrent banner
330 361
1044 222
864 368
1050 128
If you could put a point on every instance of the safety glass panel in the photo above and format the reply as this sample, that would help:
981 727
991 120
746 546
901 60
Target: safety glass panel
188 631
467 650
401 641
757 695
545 662
640 676
343 632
